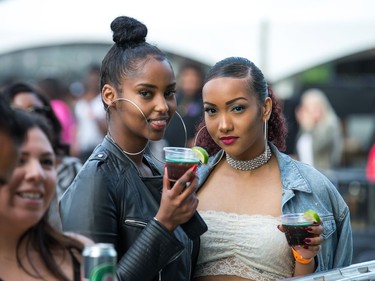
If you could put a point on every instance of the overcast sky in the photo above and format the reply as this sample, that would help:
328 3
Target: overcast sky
282 36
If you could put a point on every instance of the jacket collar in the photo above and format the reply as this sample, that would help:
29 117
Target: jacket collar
116 150
290 173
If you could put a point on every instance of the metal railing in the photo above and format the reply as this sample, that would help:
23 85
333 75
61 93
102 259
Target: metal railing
364 271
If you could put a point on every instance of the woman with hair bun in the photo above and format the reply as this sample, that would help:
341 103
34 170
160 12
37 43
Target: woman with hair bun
119 196
248 184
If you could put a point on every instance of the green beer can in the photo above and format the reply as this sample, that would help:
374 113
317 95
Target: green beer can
99 262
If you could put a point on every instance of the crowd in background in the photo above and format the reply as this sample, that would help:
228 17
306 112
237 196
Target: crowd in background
62 117
81 114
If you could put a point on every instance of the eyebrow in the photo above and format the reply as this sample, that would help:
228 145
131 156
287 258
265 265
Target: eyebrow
228 102
43 154
155 87
49 154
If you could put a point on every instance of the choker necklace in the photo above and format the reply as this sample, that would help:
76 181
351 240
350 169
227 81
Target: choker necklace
251 164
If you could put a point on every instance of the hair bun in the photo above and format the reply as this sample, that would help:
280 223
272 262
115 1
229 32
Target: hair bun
128 32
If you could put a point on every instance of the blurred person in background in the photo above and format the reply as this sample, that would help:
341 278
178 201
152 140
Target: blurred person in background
189 106
30 248
320 139
90 115
24 96
11 136
61 104
370 165
288 107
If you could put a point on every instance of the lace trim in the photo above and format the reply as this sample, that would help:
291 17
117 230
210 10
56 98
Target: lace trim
236 267
234 215
225 247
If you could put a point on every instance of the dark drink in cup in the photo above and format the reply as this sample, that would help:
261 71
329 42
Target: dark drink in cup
177 169
178 160
294 226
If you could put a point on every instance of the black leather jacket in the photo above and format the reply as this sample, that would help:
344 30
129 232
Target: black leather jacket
111 203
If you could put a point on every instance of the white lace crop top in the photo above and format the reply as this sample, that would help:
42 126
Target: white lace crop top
248 246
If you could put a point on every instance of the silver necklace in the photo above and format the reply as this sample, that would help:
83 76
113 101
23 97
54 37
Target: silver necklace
251 164
124 151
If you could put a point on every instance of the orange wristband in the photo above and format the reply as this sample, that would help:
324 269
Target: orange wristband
300 259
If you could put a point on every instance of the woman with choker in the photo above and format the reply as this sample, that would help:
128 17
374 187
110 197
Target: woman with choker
248 184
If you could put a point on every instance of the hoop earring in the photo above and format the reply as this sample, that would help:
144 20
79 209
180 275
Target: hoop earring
183 125
195 143
265 138
185 132
196 136
109 129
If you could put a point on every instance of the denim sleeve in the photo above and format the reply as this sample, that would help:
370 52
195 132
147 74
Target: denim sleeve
337 249
344 248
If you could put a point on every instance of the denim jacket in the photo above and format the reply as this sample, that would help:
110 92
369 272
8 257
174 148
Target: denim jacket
304 188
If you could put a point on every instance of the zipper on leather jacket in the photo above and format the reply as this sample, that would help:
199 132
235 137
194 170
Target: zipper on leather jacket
136 223
190 245
143 224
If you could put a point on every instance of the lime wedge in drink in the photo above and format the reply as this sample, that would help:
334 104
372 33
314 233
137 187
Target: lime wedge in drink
201 154
312 215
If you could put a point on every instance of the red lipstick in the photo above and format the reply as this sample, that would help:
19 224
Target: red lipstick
228 140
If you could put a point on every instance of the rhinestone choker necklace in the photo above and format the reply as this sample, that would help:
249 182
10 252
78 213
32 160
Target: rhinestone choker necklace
251 164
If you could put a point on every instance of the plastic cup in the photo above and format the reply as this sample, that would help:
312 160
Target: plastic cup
295 225
178 160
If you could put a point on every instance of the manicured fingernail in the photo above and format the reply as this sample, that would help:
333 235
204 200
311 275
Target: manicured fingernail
306 240
194 168
308 228
306 247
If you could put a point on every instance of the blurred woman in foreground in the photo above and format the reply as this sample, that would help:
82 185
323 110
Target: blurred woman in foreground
30 248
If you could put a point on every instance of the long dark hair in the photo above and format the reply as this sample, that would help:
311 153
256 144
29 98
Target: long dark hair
238 67
9 124
130 48
42 237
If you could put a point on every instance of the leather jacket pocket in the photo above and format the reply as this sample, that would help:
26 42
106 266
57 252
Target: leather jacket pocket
130 230
135 223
